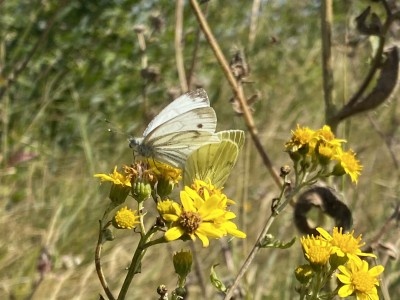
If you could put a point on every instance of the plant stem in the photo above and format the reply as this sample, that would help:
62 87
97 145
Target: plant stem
327 70
137 259
97 260
180 65
248 118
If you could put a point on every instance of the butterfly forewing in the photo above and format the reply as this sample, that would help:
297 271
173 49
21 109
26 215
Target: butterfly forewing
180 145
199 119
187 102
179 129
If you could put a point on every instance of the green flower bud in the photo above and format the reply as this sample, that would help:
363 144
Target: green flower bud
304 273
338 170
182 263
118 193
141 190
164 187
335 260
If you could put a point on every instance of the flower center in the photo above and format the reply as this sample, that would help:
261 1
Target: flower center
190 221
363 282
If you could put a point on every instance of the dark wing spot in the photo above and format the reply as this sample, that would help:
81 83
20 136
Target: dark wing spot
200 125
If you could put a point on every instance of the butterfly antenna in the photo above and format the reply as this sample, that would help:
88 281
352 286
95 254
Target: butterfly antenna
116 129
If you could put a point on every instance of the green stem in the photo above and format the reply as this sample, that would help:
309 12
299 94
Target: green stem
137 259
140 211
316 286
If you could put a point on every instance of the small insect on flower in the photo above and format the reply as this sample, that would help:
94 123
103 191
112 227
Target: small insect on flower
180 128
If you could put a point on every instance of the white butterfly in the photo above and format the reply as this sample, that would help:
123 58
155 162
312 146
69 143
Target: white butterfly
215 161
180 128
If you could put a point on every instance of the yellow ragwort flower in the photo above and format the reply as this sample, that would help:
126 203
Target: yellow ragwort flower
316 250
344 244
162 170
348 162
126 218
358 279
301 138
205 189
198 217
326 135
116 178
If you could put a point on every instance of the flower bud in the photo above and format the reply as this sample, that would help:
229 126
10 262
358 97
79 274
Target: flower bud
304 273
182 263
141 190
118 193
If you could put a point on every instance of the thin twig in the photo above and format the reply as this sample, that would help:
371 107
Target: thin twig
236 90
195 51
327 70
178 45
197 270
255 11
99 269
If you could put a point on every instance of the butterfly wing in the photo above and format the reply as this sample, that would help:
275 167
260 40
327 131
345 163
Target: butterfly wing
214 161
201 119
175 147
236 136
180 128
185 103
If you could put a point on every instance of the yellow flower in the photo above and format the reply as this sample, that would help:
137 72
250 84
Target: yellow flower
301 138
326 135
120 187
116 178
359 279
126 218
344 244
316 250
205 189
165 171
198 217
347 164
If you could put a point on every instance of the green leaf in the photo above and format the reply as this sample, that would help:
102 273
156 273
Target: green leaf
215 280
269 241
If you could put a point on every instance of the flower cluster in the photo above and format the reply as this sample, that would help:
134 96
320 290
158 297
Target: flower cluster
203 213
328 253
312 148
137 180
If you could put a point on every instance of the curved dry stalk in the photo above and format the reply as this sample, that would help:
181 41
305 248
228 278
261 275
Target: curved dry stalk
178 45
238 92
97 261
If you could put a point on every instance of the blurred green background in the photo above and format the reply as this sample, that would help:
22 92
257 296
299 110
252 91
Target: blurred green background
67 66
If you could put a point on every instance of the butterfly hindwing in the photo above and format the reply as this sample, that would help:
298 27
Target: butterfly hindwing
215 161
